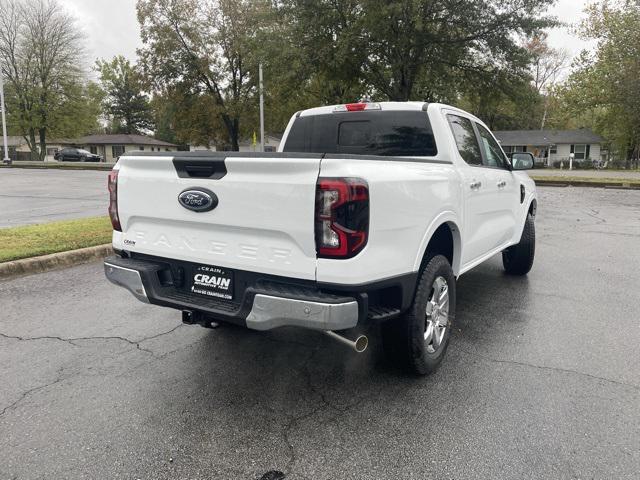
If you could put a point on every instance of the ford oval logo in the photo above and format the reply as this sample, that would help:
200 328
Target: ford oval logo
198 199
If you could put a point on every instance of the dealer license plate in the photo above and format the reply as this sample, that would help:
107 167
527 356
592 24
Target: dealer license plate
212 282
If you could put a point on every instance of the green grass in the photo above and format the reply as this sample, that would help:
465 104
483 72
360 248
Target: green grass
562 179
33 240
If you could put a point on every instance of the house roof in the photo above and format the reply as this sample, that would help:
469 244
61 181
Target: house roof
122 139
547 137
116 139
15 140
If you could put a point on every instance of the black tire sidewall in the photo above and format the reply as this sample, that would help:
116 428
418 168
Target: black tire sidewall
518 259
421 360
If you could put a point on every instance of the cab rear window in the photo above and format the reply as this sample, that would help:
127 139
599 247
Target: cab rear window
386 133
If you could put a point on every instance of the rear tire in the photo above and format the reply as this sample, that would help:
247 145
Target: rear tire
419 339
518 259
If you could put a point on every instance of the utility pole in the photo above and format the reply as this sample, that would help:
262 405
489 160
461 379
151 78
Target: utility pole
6 159
261 109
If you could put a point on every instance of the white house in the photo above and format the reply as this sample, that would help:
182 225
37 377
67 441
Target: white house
554 146
271 144
109 147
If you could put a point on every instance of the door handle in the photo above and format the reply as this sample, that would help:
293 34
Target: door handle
475 185
502 184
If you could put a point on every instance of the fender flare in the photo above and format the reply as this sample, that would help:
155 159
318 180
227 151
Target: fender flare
451 219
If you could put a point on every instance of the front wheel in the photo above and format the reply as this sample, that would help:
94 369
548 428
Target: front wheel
419 339
518 259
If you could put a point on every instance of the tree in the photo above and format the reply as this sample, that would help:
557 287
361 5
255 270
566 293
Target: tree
337 51
184 117
40 50
604 87
396 50
204 47
547 65
125 101
77 112
547 62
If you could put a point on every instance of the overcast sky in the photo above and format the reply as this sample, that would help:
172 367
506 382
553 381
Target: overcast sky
111 26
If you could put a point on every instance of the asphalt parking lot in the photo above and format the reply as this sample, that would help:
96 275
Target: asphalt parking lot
29 196
541 380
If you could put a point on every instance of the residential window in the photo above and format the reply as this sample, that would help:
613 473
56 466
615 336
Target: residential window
117 150
520 148
466 140
579 151
167 150
141 148
93 149
553 149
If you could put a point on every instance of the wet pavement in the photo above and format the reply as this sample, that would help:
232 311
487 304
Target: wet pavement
541 380
29 196
554 172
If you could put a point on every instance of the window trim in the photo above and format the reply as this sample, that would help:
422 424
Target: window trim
449 114
507 163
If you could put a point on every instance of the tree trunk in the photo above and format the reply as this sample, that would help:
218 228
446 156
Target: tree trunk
33 145
233 131
235 140
43 143
403 88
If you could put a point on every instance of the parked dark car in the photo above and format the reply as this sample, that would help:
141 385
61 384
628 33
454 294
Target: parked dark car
70 154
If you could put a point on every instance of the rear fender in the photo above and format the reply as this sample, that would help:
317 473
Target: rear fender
452 220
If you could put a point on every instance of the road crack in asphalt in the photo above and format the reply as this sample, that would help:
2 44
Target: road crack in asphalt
553 369
26 393
72 340
294 420
286 432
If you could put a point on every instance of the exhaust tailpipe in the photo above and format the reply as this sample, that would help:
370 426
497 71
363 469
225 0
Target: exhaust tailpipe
359 344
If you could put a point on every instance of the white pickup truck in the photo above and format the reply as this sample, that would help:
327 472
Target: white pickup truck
368 213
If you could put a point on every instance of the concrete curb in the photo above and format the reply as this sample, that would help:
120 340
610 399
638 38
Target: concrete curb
560 182
54 261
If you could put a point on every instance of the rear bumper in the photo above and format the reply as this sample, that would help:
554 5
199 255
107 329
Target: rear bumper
264 305
127 278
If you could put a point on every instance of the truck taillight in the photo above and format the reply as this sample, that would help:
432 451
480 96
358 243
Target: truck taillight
342 217
112 185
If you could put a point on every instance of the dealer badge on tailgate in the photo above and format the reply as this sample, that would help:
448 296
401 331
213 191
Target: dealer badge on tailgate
213 282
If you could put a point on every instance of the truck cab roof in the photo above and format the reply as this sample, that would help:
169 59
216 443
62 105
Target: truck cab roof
384 106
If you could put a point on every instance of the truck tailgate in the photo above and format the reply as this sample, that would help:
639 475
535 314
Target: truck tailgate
263 222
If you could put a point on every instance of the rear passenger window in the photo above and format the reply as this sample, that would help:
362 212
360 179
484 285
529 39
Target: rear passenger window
492 152
390 133
466 140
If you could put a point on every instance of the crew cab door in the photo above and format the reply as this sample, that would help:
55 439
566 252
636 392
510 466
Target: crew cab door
502 187
476 195
488 189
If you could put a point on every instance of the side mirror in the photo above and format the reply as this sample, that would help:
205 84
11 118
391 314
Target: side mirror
521 161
